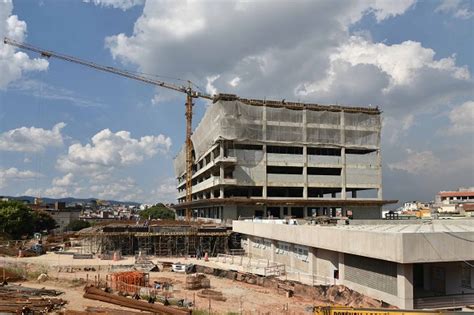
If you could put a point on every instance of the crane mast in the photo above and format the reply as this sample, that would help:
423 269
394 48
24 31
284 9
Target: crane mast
190 95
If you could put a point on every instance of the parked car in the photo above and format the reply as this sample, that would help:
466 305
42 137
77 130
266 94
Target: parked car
178 267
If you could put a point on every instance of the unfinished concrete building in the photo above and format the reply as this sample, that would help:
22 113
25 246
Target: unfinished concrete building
266 158
159 239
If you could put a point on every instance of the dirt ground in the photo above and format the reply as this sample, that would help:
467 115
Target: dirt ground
241 298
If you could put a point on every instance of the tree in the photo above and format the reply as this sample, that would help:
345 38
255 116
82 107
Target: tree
15 219
18 220
158 211
77 225
43 221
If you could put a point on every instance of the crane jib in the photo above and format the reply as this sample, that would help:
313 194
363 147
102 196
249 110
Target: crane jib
190 93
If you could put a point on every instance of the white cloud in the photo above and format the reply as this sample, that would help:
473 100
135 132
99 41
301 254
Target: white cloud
238 42
31 139
118 4
109 150
14 174
165 192
462 119
210 88
234 82
459 9
14 63
418 163
384 9
401 62
66 180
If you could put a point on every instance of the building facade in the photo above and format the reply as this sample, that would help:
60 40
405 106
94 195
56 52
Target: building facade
409 264
453 201
266 158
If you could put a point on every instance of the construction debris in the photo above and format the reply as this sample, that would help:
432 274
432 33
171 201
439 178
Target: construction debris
99 295
212 294
197 281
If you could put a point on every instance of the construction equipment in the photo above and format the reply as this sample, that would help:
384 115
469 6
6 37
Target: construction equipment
341 310
188 90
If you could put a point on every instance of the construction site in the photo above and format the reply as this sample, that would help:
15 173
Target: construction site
279 212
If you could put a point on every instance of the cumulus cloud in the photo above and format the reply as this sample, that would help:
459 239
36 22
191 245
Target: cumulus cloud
462 119
457 8
118 4
13 174
270 66
14 63
31 139
401 64
417 163
108 150
66 180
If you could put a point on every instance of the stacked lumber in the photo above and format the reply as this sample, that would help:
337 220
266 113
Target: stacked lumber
21 291
94 293
18 299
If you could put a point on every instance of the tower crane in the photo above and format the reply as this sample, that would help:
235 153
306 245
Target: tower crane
188 90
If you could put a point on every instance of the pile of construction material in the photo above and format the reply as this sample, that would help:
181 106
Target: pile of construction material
129 281
18 300
197 281
100 295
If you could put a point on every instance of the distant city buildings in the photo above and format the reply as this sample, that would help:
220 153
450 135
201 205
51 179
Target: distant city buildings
459 201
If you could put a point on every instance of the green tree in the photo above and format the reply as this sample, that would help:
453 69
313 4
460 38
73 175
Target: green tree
158 211
43 221
18 220
77 225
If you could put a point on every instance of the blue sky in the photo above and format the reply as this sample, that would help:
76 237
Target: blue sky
66 130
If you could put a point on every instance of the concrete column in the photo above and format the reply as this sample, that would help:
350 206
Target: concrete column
264 148
265 184
221 192
282 215
221 149
292 256
305 171
305 154
249 246
379 166
272 254
343 157
405 285
212 193
311 260
341 268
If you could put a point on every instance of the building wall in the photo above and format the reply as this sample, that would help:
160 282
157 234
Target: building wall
387 281
332 154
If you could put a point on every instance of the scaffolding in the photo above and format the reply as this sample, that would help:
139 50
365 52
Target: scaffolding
166 242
